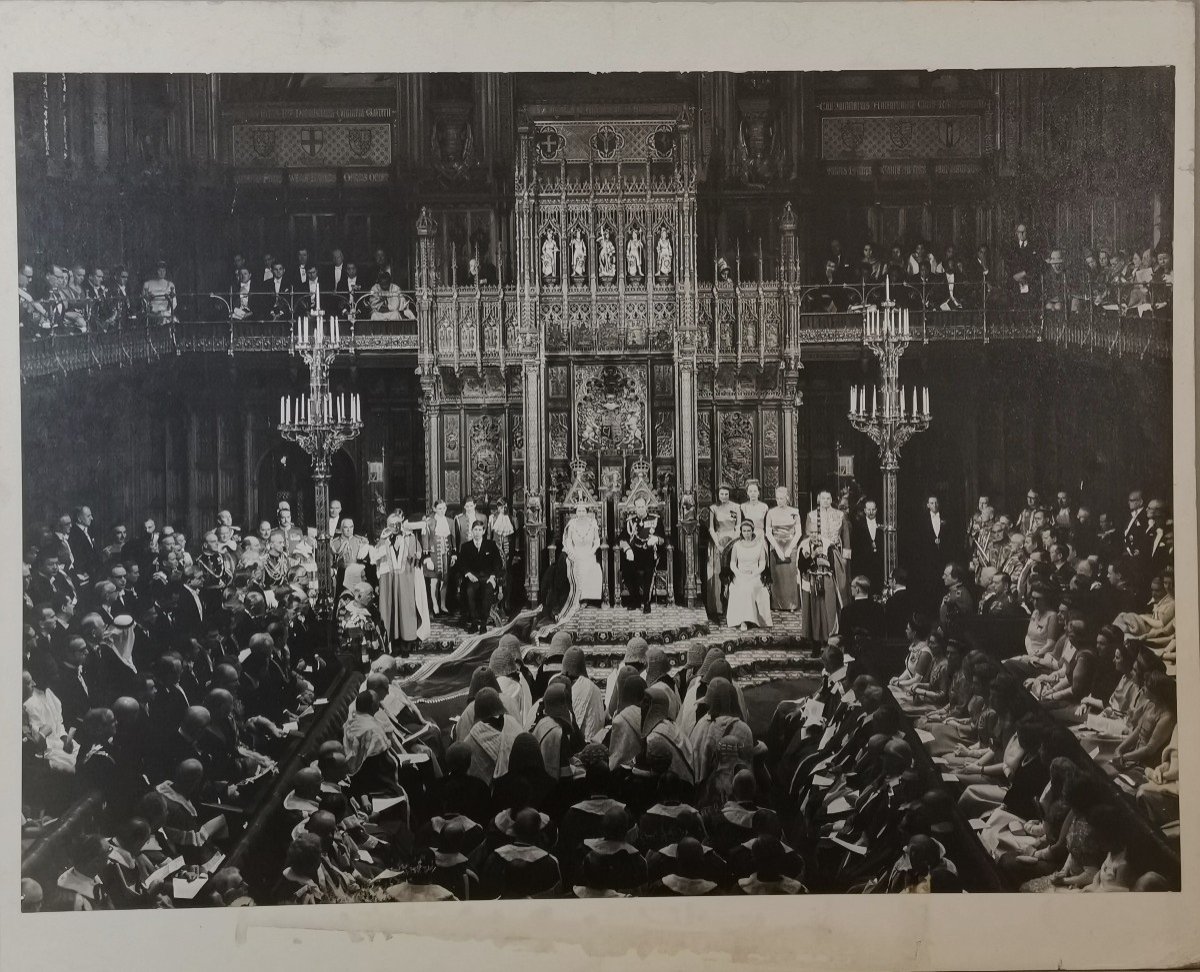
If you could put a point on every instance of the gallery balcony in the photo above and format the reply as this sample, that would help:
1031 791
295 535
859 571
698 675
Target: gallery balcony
474 327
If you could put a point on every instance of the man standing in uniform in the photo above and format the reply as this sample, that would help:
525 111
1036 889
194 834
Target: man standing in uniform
292 534
641 542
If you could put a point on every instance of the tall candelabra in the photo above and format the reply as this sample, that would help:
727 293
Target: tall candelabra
891 421
320 423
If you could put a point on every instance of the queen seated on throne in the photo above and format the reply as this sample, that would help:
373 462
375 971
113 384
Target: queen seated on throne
580 542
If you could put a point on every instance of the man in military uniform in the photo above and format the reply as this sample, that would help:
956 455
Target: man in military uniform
348 549
989 549
980 523
277 562
216 571
957 603
1025 518
642 540
292 534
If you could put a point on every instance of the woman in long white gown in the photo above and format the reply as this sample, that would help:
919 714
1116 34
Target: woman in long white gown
749 599
581 540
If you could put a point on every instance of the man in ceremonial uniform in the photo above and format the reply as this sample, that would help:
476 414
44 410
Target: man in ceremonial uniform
957 602
349 549
1025 517
640 543
292 534
276 563
216 571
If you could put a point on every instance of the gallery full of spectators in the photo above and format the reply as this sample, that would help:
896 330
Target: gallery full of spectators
75 297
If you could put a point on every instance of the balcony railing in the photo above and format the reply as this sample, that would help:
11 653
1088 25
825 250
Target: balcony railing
480 325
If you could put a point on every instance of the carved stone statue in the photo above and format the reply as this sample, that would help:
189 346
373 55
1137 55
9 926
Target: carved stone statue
550 255
578 255
607 256
633 254
665 252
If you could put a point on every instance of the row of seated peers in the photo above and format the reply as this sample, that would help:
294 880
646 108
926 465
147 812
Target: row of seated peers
662 789
1047 818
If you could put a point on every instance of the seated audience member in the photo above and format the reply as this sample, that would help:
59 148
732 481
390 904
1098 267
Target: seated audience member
297 884
1040 637
933 689
521 869
919 659
686 876
721 721
768 876
420 881
1158 797
611 859
1153 725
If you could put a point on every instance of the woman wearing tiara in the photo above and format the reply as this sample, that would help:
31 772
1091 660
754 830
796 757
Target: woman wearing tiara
749 600
581 540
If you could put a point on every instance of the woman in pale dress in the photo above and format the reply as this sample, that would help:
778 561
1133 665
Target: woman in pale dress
754 509
500 528
782 531
581 540
749 599
438 529
724 517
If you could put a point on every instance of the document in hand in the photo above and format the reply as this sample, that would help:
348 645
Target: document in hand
859 849
185 890
840 805
163 871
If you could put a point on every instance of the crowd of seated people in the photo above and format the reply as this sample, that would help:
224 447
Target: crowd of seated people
171 682
78 298
1134 282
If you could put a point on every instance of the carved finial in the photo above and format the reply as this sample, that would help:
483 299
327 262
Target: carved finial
425 223
787 222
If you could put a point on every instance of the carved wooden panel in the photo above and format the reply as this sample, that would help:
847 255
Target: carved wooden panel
453 486
484 433
556 380
664 381
704 434
737 447
611 408
664 434
451 439
516 436
770 434
560 435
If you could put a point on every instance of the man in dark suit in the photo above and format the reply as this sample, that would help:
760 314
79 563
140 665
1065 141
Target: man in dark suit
866 542
83 546
861 615
479 566
1024 266
934 543
333 282
1155 552
275 301
901 605
190 613
72 686
1137 525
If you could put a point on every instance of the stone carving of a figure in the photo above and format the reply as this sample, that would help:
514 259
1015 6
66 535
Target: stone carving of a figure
578 255
633 254
550 254
666 253
607 255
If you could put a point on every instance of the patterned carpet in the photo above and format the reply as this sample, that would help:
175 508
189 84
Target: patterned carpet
756 655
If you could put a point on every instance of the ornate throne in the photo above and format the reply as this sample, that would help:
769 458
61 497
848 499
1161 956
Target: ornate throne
640 488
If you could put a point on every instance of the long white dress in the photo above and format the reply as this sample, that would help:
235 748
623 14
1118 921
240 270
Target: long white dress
749 599
581 540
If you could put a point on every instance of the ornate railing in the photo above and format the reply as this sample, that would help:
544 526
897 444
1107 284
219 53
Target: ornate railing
477 326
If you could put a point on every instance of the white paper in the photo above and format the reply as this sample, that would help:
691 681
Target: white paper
822 781
950 777
1093 752
1106 726
317 702
164 870
853 848
379 804
386 875
925 736
186 890
214 827
978 823
366 856
838 806
940 761
290 726
214 862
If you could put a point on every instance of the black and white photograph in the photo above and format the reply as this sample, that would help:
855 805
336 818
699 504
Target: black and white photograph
533 485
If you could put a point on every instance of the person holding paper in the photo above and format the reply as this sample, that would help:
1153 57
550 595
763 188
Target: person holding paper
1152 729
1158 797
749 599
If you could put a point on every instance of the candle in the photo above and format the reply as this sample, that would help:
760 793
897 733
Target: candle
902 401
926 401
862 400
887 290
874 401
915 409
851 398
